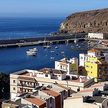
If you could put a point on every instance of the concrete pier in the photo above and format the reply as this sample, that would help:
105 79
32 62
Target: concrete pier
40 40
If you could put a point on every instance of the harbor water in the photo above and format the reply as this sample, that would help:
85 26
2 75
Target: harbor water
14 59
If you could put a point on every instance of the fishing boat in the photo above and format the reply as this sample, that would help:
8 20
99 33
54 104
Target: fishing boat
47 46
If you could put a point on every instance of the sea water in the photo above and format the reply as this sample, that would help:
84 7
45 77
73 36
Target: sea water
14 59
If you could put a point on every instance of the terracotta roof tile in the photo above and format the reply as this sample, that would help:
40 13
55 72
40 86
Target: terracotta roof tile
51 92
35 101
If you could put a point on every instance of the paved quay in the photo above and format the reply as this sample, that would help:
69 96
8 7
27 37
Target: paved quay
41 40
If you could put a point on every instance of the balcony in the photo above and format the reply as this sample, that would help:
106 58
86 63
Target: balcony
26 85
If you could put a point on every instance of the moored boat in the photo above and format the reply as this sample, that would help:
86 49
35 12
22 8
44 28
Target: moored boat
32 52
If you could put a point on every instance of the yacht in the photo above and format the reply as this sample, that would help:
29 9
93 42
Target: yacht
33 49
32 52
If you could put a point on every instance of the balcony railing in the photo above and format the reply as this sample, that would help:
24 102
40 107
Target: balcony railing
26 85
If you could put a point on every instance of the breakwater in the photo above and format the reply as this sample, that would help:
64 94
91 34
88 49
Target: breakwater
41 40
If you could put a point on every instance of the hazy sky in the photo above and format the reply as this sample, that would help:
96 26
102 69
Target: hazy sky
50 8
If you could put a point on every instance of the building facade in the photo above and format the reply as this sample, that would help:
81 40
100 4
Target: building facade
95 65
69 66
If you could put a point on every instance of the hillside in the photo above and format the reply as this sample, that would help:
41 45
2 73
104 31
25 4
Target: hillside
88 21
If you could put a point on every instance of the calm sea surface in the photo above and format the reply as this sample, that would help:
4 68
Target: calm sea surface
14 59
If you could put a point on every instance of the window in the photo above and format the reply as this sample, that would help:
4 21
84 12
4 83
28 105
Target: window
13 81
107 103
50 100
60 67
78 89
103 106
81 57
46 75
87 66
13 88
64 93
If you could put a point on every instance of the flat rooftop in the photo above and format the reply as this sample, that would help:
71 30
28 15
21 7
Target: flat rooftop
16 103
22 72
42 95
97 99
31 75
64 60
51 70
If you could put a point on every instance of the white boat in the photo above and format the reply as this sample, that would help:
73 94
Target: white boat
62 52
32 51
52 58
47 46
75 41
52 51
56 47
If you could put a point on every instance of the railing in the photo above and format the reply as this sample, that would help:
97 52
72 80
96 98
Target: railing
26 85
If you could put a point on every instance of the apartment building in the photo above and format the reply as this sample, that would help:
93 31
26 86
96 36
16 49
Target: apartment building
21 82
51 73
46 96
95 64
27 80
69 66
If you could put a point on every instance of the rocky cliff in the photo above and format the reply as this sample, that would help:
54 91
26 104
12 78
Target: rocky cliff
88 21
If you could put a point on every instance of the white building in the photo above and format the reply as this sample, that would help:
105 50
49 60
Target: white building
83 102
69 66
96 35
27 80
82 59
92 53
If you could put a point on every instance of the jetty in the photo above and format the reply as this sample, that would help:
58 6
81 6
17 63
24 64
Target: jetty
42 40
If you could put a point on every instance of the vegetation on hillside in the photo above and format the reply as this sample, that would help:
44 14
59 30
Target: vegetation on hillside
4 86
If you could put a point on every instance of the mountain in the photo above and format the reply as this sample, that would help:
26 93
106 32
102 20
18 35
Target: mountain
87 21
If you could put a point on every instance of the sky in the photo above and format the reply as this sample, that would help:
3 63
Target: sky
48 8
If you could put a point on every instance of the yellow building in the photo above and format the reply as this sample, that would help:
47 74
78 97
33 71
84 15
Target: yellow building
96 66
